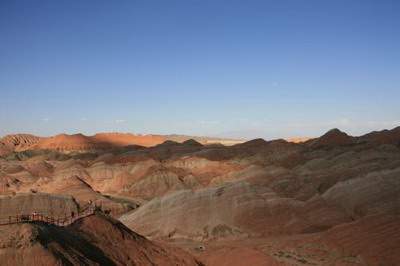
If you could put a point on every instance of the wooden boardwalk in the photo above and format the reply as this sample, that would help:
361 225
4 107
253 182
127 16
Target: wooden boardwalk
58 221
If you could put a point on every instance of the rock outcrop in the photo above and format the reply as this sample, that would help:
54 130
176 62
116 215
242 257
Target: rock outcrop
17 142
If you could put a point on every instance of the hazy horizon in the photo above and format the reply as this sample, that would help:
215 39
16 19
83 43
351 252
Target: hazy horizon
205 68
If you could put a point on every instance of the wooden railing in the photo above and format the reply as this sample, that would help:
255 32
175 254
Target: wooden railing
59 221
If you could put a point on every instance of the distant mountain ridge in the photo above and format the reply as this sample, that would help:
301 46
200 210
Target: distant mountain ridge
105 141
99 141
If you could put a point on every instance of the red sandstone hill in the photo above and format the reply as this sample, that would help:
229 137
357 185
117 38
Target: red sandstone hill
17 142
64 142
102 141
125 139
94 240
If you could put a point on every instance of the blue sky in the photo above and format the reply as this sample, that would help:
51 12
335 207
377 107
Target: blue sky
221 68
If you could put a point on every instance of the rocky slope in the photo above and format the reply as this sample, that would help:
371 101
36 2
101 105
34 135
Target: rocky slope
94 240
46 204
18 142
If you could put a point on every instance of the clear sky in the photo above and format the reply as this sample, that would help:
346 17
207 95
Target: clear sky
202 67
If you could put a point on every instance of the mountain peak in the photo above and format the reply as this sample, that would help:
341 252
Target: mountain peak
334 131
333 137
191 142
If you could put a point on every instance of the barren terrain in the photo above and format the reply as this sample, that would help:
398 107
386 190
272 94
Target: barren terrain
332 200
